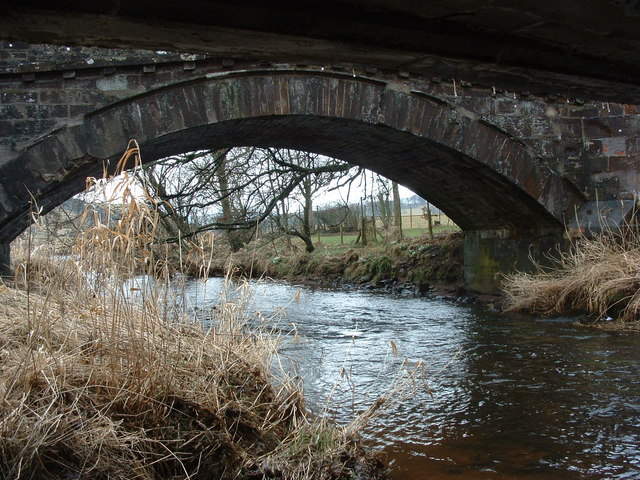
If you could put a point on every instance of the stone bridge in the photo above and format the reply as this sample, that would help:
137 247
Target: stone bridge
510 168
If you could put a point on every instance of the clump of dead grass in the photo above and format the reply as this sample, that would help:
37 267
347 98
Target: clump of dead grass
599 276
97 382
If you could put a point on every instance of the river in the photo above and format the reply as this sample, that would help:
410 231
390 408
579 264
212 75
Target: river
506 396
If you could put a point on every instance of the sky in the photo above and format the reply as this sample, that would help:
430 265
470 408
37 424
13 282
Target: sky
340 196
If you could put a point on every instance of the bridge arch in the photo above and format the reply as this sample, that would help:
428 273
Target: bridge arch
483 178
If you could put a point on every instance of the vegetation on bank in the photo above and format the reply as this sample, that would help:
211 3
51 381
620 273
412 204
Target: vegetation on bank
599 276
99 381
97 386
419 262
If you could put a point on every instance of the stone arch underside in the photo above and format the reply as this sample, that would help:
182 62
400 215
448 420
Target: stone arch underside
479 175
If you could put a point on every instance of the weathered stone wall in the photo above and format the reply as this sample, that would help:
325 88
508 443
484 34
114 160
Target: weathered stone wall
63 85
508 168
18 57
595 145
542 46
482 177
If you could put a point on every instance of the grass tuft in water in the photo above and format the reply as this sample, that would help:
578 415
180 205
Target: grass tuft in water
599 276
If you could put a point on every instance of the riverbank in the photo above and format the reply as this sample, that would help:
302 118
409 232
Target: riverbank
413 266
99 387
99 380
599 277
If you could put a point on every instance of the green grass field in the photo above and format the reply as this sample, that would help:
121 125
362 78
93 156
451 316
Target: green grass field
350 238
332 244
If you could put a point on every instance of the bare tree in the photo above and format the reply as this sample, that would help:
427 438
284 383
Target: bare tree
320 173
236 189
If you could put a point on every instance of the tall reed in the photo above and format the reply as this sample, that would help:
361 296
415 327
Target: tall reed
99 382
600 276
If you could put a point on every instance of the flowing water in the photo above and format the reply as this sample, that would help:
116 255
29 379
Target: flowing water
508 397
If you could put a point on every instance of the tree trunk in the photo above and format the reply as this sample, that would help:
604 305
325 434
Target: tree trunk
384 209
397 209
308 243
363 225
235 242
307 214
175 224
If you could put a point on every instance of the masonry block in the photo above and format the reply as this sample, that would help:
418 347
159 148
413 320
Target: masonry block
13 97
41 111
490 254
505 106
11 112
54 97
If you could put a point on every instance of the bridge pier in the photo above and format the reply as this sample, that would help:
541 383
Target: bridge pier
5 260
489 253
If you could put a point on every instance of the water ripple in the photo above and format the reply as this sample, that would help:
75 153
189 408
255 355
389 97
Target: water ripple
512 397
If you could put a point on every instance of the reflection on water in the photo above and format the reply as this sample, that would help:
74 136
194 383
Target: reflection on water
512 397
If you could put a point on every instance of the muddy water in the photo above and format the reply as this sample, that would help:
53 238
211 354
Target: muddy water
508 397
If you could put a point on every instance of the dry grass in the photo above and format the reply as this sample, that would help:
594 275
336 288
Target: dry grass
600 276
97 383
